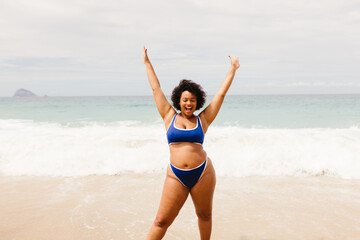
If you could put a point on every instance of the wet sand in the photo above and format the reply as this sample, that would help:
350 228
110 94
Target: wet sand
123 207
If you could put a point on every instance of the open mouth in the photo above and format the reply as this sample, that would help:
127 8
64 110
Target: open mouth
188 109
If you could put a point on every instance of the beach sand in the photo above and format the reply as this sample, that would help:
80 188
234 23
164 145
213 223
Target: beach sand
124 206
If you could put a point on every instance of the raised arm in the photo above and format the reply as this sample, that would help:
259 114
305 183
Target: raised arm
162 104
209 113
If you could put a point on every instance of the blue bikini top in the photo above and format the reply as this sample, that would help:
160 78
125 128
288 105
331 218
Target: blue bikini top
178 135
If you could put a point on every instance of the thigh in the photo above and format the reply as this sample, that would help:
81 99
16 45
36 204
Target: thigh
203 191
173 197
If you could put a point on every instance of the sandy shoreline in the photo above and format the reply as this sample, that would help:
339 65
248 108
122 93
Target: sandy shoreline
123 207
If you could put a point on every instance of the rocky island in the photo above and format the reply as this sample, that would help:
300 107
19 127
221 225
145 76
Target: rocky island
24 93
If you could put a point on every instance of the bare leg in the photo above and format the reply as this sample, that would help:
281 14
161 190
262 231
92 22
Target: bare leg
173 198
202 195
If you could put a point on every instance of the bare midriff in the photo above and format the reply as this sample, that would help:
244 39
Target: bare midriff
186 155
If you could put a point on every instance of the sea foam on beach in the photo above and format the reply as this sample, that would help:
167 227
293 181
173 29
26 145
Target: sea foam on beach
91 148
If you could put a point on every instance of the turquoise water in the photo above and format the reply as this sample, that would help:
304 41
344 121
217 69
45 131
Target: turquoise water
75 109
292 111
299 111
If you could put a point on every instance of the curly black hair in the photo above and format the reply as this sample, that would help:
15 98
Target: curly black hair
194 88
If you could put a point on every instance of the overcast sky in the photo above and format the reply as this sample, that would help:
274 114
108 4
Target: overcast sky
94 48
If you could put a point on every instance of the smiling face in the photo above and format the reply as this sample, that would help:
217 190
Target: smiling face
187 103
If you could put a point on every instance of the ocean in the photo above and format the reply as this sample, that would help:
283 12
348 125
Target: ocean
260 135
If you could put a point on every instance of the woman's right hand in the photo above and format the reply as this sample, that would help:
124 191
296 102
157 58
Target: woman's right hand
145 56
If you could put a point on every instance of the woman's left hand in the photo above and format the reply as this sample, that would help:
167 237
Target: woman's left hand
234 62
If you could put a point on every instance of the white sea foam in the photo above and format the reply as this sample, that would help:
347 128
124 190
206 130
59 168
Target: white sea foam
243 152
39 148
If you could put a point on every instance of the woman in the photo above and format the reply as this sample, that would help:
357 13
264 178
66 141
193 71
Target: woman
190 170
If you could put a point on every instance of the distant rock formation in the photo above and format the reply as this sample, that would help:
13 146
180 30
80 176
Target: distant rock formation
24 93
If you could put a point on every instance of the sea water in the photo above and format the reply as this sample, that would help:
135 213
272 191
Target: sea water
306 135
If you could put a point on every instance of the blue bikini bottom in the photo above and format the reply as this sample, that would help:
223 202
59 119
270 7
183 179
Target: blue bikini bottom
189 177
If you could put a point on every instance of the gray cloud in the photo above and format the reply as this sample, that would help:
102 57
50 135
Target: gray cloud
100 42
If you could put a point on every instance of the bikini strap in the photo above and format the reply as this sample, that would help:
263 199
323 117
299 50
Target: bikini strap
199 122
172 121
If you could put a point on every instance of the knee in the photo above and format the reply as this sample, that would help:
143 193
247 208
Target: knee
161 222
204 216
